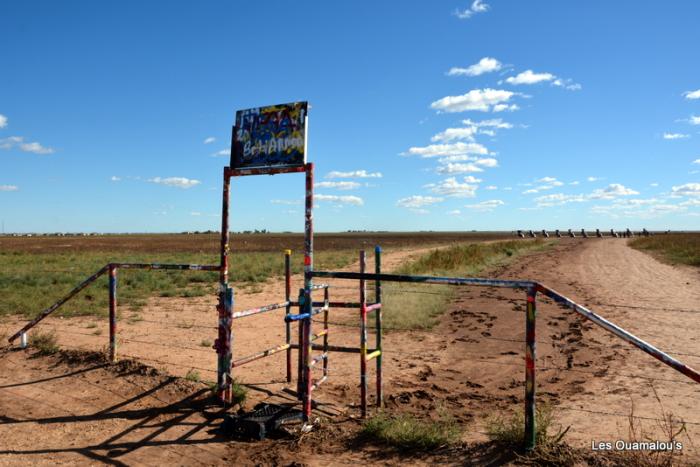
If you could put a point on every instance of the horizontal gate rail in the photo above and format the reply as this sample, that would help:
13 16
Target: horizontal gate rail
109 267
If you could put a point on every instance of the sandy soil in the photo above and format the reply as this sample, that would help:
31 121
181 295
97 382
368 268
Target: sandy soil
471 365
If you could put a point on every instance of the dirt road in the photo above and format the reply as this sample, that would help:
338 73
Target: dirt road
471 365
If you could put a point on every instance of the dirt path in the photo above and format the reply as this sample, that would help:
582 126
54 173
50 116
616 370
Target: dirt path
471 365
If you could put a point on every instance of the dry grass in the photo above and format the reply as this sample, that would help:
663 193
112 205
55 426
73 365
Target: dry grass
673 248
418 306
44 342
670 430
408 432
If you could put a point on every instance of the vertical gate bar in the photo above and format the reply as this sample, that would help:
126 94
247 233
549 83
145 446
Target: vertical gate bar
530 356
363 337
308 283
326 302
112 313
226 357
287 298
223 342
308 306
378 322
302 349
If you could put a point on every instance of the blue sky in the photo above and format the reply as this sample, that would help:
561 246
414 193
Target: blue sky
451 115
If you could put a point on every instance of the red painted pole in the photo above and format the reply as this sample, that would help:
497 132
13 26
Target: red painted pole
363 338
530 357
288 299
112 313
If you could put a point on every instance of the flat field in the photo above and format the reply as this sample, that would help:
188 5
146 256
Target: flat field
451 387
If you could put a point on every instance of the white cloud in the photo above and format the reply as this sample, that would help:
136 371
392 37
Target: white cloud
476 99
547 183
487 162
505 108
455 133
654 184
287 202
696 161
593 179
688 189
489 205
452 188
491 187
452 149
209 140
417 201
694 120
455 212
472 179
530 77
338 185
34 147
114 178
10 141
493 123
567 84
575 182
195 213
485 65
222 153
675 136
354 174
451 169
3 121
341 200
612 191
477 6
692 94
9 188
178 182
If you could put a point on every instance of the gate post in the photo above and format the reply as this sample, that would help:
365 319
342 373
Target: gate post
378 322
530 357
363 338
112 313
225 306
287 298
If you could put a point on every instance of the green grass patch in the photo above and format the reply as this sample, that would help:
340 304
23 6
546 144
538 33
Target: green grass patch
672 248
408 432
418 306
509 431
44 342
30 282
193 375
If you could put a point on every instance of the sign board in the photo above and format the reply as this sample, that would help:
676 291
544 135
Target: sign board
272 136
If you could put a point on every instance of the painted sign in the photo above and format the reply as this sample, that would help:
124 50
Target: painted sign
272 136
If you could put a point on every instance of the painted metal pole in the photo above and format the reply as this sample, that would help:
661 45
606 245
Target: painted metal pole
326 301
288 298
378 322
302 348
46 312
621 333
112 313
225 308
308 285
363 338
530 356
